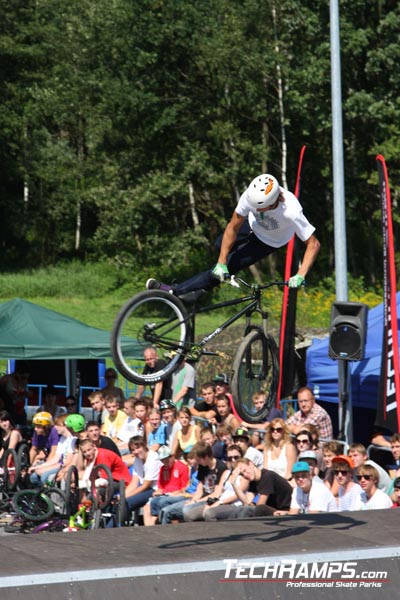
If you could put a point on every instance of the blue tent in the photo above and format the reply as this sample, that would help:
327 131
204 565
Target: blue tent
322 371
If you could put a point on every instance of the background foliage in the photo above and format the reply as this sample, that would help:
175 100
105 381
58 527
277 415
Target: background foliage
129 128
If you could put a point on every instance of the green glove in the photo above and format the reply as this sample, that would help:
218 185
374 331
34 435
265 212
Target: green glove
296 281
220 271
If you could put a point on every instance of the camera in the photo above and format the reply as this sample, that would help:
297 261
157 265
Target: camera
211 501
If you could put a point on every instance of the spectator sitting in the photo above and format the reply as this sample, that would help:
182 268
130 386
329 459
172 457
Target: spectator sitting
158 433
225 413
241 437
44 439
93 433
206 408
10 436
329 451
145 470
349 491
71 405
259 399
225 435
279 451
226 497
271 490
187 436
97 402
358 454
311 458
309 495
396 493
110 390
312 413
172 481
209 476
167 512
131 426
168 416
49 403
93 456
42 472
394 468
114 420
209 437
222 387
371 497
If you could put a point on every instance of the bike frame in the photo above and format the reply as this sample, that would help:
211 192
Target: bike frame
254 300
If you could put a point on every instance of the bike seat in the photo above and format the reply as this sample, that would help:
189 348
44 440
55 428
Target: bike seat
191 297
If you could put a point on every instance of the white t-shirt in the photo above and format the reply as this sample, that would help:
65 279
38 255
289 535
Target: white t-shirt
65 446
349 501
130 427
276 227
318 499
148 470
378 500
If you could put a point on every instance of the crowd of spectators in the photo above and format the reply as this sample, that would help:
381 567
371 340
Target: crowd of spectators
187 460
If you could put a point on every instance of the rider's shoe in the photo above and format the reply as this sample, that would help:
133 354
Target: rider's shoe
153 284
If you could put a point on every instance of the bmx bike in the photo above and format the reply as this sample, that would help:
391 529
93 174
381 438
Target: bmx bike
165 322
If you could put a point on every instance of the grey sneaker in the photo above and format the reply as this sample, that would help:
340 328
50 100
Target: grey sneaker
153 284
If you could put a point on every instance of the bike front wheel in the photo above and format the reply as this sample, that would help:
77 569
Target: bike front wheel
150 319
255 368
32 505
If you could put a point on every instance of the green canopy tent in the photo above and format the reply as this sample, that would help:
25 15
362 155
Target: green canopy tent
31 332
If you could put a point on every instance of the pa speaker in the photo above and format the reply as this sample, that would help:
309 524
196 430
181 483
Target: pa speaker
348 330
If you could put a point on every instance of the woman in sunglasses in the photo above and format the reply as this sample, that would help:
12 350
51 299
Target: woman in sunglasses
348 490
279 452
371 497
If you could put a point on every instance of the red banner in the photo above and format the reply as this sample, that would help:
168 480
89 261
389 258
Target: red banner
288 315
388 409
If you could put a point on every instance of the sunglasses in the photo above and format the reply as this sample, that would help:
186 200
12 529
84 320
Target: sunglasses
366 477
234 457
341 471
277 429
304 441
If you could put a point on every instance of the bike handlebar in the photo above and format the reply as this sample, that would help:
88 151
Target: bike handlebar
238 281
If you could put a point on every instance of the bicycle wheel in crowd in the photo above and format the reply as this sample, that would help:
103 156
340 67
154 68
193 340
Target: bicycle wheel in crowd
32 505
23 465
11 470
155 319
120 508
72 490
58 498
102 486
255 368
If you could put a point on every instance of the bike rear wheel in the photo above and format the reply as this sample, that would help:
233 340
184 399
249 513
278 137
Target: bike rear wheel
255 368
101 494
72 490
32 505
150 319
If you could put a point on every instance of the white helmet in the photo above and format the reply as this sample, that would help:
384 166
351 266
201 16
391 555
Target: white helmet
263 191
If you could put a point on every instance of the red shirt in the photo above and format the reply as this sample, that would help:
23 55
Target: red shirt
118 468
173 479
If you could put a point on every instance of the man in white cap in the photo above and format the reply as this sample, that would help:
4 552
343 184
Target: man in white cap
309 496
265 219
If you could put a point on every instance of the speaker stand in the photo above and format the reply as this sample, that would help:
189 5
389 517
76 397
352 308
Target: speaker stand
345 404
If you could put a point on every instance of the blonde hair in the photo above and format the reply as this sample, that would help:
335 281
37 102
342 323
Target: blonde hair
278 422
